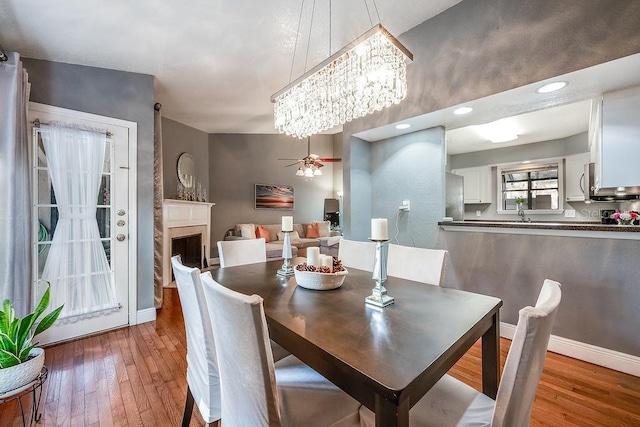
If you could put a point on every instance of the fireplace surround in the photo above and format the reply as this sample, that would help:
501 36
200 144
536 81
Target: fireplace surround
184 219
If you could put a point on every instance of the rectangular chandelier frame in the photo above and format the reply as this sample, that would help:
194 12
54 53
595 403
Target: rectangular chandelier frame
378 28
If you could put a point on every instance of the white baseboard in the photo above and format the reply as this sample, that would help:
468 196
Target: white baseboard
146 315
589 353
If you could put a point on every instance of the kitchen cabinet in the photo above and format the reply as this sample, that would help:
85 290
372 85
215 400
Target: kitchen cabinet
614 133
574 176
477 184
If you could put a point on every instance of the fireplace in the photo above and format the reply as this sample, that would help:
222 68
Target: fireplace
186 232
190 250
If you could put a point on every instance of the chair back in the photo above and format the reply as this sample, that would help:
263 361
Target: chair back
202 366
247 373
360 255
418 264
523 368
241 252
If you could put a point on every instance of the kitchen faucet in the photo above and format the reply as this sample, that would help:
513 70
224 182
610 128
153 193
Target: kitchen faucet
521 213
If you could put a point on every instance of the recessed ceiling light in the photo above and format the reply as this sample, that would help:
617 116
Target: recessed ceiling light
462 110
403 126
551 87
526 161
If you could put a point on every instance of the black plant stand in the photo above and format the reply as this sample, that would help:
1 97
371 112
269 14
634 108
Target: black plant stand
35 388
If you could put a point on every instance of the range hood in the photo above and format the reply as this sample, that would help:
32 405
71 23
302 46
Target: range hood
608 194
614 134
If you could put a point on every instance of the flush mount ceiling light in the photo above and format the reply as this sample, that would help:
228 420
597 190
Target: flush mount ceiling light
462 110
502 130
551 87
402 126
503 137
368 74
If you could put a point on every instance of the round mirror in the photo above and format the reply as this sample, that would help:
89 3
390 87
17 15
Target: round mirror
187 170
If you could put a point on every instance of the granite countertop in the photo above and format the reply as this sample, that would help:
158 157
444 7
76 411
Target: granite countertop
541 225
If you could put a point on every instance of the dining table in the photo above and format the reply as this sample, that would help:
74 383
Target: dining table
386 358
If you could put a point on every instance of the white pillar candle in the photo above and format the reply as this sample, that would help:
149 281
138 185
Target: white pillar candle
313 256
379 229
287 223
327 261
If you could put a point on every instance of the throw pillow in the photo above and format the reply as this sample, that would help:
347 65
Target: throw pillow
312 231
247 231
293 235
324 228
262 232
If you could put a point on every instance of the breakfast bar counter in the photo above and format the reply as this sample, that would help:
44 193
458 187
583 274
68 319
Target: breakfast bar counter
570 229
597 265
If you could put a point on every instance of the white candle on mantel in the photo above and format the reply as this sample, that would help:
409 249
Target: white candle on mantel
287 223
379 229
313 256
327 261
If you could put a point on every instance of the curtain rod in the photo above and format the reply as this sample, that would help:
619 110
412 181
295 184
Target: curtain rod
3 55
37 124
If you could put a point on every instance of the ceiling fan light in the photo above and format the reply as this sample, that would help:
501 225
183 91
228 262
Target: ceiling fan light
317 172
308 173
299 172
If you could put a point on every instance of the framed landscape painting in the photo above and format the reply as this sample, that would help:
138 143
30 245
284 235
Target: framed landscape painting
274 196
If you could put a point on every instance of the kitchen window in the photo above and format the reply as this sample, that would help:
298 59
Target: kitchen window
537 185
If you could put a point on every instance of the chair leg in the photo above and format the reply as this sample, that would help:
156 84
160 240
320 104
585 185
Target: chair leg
188 409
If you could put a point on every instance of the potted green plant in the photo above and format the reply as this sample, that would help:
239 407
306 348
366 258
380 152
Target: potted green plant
20 360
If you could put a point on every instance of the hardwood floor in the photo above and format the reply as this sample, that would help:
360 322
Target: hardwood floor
136 377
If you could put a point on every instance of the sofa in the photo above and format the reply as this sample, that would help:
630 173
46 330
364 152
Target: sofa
328 241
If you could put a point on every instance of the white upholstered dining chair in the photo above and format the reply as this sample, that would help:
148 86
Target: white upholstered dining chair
452 403
418 264
241 252
360 255
255 392
203 381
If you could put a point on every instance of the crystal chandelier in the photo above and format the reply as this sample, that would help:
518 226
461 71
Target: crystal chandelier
368 74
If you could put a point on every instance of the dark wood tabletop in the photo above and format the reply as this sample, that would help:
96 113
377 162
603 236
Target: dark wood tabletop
386 358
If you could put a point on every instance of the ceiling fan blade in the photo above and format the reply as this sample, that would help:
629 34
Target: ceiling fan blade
329 159
297 160
293 164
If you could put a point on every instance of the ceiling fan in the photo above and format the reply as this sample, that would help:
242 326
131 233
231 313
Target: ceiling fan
310 165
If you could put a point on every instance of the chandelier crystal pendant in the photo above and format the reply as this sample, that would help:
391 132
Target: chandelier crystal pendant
368 74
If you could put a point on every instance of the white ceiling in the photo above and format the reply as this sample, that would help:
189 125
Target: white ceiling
216 62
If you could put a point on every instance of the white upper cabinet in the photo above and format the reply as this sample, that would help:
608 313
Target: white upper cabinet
615 139
477 184
574 172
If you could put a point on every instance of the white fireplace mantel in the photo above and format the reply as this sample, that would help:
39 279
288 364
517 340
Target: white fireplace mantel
184 218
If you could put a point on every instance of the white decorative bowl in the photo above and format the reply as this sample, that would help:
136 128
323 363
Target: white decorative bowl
320 281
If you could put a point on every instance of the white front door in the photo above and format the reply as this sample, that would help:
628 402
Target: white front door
113 215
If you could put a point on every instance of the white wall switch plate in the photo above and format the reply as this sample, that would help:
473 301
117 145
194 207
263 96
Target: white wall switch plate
478 213
569 213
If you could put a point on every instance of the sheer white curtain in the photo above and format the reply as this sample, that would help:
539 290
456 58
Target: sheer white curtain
77 265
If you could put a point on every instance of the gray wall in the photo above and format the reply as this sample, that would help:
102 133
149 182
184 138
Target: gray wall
118 94
239 161
482 47
357 188
178 138
409 167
